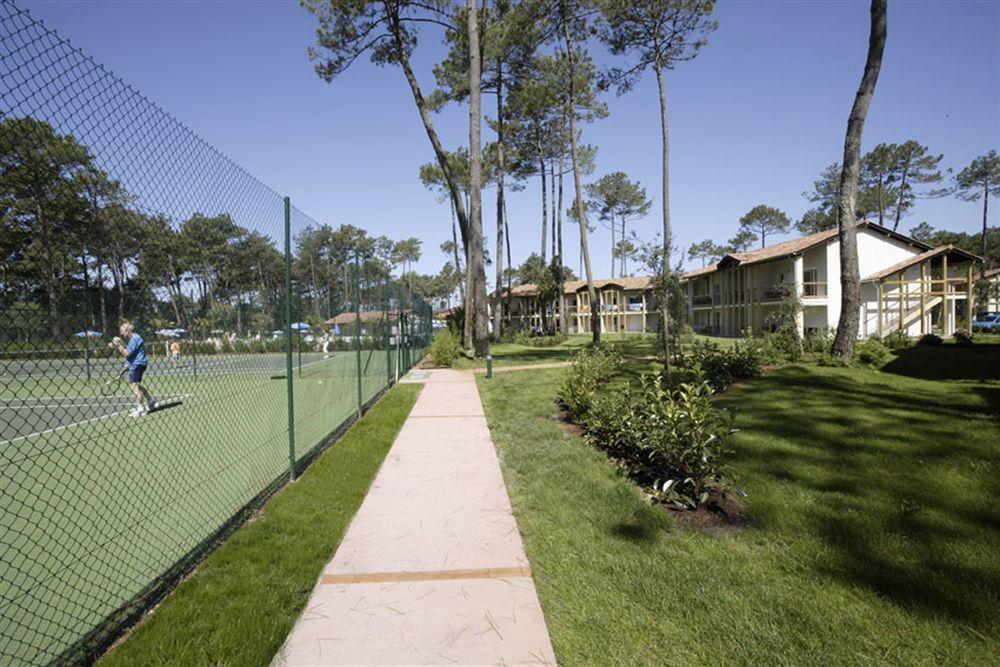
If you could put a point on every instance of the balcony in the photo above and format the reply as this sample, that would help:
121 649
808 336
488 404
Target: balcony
814 290
701 300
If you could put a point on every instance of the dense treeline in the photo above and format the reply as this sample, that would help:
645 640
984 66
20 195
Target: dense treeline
77 251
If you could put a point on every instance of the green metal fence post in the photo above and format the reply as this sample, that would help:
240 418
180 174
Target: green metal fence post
86 332
194 356
357 323
388 331
298 320
288 338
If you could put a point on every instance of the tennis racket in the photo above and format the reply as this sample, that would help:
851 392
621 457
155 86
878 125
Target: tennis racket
113 385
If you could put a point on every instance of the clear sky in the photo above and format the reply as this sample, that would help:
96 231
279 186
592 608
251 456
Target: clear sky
754 118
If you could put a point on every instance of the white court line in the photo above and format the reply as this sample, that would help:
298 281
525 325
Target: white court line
85 421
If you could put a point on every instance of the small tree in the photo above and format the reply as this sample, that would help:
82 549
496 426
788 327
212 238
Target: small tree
706 251
615 198
913 166
980 179
740 243
762 220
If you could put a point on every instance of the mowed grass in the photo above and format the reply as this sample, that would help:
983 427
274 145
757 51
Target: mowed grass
877 508
629 344
240 604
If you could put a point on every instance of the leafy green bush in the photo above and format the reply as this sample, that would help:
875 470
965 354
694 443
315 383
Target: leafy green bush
782 345
871 352
897 340
964 339
819 340
592 368
828 358
445 347
723 367
673 440
930 339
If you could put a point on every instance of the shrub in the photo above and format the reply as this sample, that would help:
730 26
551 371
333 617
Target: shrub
819 340
828 358
871 352
930 339
897 340
445 347
964 339
674 440
723 367
544 340
782 345
592 368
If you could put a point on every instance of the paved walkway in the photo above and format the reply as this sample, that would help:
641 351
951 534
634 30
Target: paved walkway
432 569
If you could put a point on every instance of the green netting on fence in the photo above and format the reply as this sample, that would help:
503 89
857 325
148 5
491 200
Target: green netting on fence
113 211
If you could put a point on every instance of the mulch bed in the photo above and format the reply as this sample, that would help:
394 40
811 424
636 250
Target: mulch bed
720 516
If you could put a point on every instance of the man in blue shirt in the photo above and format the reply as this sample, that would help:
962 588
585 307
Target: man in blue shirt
135 359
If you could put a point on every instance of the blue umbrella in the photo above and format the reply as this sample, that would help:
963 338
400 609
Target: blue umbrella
336 329
277 332
299 326
180 331
88 333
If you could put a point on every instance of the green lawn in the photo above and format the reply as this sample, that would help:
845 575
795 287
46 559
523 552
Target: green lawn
242 601
877 504
631 345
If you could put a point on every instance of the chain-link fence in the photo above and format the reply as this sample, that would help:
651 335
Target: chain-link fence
258 334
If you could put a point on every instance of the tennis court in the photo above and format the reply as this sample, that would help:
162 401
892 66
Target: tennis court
111 501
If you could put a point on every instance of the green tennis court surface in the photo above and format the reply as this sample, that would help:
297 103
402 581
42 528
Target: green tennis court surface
108 502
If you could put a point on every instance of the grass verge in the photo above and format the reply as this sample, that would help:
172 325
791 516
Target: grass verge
877 507
240 604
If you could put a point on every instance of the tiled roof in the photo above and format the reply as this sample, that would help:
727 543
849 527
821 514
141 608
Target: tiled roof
572 286
703 271
794 247
916 259
349 317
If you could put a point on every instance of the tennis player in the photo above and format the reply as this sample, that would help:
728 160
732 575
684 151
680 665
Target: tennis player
135 359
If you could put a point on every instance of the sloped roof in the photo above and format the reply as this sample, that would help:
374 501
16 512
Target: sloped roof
703 271
572 286
795 247
989 273
949 250
349 317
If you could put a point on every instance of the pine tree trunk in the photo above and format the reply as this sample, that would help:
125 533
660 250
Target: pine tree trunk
986 199
850 280
902 194
545 206
497 307
613 245
458 261
667 236
482 323
395 29
552 193
562 261
595 313
100 293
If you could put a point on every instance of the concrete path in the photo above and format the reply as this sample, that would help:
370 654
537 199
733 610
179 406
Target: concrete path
432 569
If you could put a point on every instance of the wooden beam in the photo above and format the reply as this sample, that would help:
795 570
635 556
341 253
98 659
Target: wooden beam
969 300
901 300
944 295
880 310
923 297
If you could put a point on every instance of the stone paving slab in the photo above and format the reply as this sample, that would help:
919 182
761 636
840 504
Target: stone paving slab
432 569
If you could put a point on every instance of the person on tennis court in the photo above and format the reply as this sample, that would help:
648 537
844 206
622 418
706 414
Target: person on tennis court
135 359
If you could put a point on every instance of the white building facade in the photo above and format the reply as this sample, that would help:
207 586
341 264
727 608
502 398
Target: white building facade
905 285
626 305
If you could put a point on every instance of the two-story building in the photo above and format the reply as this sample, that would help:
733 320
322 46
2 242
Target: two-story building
625 305
905 284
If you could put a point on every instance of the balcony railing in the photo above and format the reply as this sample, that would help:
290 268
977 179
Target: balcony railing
702 300
814 289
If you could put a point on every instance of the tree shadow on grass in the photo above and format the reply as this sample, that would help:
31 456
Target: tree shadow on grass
947 362
902 477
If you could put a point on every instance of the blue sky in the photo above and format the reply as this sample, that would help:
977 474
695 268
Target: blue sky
754 118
